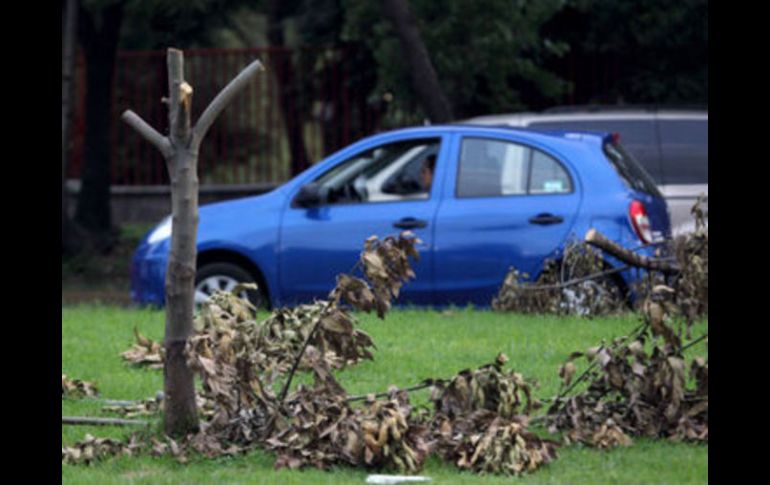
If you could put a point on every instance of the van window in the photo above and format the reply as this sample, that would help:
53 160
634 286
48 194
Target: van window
637 136
685 151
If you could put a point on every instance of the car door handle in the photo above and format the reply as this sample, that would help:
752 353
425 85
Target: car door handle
410 223
546 219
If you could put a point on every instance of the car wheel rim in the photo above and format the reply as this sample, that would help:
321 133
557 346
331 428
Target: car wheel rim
207 287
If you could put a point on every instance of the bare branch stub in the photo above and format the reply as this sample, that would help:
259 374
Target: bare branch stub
222 100
148 133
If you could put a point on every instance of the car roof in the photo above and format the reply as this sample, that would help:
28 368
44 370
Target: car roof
545 135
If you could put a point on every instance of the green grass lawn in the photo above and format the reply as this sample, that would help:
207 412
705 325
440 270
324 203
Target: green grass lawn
412 345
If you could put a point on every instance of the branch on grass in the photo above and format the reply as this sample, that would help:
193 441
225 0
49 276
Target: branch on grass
696 341
426 384
576 280
637 332
78 420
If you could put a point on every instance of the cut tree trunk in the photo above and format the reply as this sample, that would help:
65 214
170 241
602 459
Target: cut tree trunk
180 151
595 238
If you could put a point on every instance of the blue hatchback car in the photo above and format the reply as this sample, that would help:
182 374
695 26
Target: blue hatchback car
481 199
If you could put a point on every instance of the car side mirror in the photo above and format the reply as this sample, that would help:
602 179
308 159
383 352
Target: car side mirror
309 196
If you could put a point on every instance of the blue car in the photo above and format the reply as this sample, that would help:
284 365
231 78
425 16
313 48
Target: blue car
481 199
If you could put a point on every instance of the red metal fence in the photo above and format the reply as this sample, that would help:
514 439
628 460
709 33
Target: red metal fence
307 104
310 100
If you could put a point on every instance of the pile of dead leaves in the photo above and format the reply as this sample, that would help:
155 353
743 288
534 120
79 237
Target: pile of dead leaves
481 420
516 295
636 386
485 442
145 352
692 283
489 387
475 424
284 333
77 388
91 449
241 360
322 429
564 287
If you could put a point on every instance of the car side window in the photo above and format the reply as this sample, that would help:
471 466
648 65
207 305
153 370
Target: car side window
548 176
494 168
685 151
391 172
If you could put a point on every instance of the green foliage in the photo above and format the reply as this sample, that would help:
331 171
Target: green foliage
488 55
159 24
662 46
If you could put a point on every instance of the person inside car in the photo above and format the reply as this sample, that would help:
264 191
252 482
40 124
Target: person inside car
426 172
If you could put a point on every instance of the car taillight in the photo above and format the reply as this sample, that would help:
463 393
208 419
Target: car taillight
640 221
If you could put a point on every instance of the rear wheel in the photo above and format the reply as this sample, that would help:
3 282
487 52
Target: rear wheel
214 277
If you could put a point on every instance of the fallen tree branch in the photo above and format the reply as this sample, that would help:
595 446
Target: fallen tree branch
597 239
576 280
697 340
297 360
637 332
78 420
428 383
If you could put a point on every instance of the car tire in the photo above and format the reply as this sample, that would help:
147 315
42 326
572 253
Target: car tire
224 276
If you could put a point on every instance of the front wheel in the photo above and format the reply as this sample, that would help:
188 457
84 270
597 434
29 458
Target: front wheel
214 277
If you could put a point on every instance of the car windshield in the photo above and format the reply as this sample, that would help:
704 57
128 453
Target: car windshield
629 169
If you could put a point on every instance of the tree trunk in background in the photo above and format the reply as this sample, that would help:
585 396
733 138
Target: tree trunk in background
69 36
283 68
423 76
99 45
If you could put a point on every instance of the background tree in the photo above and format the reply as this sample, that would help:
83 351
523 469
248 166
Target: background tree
421 72
69 40
660 48
488 55
98 31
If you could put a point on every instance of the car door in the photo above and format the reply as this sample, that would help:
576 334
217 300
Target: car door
374 192
505 204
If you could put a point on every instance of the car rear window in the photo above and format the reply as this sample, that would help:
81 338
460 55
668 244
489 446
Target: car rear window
629 169
685 151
